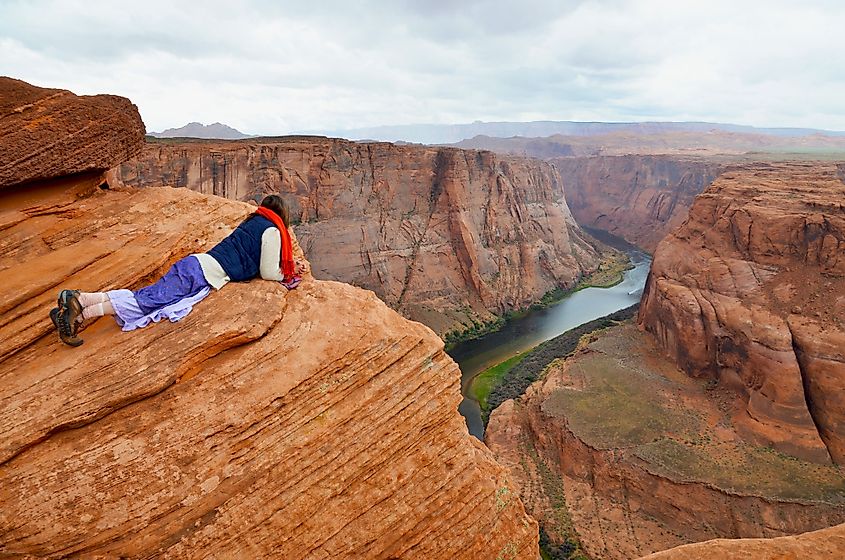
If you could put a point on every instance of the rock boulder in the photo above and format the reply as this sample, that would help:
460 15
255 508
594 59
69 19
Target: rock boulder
49 133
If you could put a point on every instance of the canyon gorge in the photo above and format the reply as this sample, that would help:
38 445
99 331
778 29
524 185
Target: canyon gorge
322 423
718 414
639 185
640 198
447 237
313 423
639 188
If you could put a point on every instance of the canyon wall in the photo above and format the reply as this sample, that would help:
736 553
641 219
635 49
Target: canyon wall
315 423
640 198
618 454
445 236
750 292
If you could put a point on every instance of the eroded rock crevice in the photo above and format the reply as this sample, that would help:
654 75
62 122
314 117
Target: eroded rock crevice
807 386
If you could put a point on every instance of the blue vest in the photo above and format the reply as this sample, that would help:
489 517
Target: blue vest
240 253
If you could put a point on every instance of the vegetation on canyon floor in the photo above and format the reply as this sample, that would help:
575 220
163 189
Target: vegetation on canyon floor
624 403
483 383
510 381
559 538
610 272
476 329
745 468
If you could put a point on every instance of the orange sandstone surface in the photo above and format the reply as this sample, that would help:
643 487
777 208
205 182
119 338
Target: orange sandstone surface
444 236
825 544
316 423
52 132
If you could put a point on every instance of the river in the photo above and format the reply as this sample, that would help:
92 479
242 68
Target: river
519 335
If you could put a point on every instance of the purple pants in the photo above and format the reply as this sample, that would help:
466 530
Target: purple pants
172 297
184 279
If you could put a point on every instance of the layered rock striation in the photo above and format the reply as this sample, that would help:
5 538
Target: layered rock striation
315 423
750 292
443 235
52 132
640 198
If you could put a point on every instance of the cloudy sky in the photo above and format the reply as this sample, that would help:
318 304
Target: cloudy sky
275 67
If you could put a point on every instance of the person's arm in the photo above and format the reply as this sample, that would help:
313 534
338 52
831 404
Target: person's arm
271 251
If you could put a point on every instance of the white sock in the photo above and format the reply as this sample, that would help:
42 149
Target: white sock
97 310
86 299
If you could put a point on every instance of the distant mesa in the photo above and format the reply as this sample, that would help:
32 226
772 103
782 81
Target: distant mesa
426 133
216 131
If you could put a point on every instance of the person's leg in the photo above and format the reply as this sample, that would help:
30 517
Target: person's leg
94 304
97 310
184 279
92 298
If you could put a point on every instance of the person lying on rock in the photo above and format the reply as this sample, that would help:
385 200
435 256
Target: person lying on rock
260 246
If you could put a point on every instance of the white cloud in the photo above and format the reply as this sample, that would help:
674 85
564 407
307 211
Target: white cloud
270 68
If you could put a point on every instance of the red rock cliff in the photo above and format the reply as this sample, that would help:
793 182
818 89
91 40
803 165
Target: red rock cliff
442 235
316 423
640 198
627 451
750 292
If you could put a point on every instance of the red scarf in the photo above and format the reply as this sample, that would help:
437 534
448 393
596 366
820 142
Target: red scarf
286 258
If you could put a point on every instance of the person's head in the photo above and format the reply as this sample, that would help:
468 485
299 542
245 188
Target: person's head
275 203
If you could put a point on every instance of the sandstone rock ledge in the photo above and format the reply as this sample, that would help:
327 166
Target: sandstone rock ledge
52 132
825 544
311 424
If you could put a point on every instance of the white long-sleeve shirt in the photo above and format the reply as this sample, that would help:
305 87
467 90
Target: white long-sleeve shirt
269 265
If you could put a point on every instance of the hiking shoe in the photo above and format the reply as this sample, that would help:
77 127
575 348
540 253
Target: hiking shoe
65 297
67 317
60 321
